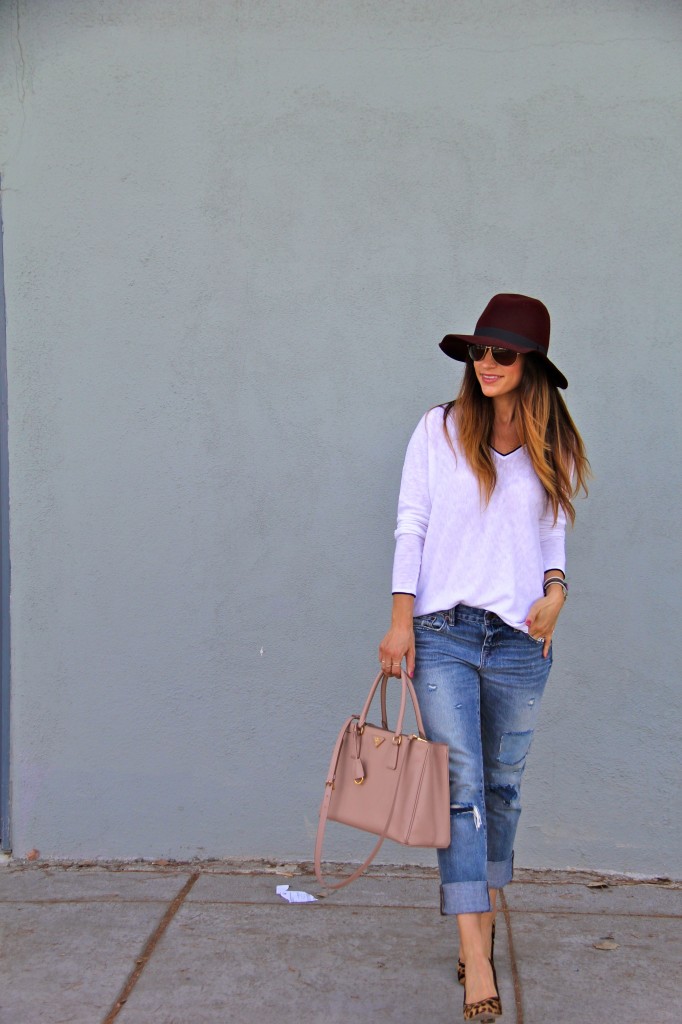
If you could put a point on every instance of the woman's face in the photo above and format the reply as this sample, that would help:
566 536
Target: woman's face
496 380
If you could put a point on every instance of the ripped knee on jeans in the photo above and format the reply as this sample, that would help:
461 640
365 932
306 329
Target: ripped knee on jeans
457 809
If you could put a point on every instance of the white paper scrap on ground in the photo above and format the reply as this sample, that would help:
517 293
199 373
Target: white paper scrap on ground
295 895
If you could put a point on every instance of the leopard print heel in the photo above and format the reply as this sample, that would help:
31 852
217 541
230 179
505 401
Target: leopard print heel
486 1010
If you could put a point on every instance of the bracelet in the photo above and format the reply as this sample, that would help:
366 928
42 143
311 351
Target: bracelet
556 579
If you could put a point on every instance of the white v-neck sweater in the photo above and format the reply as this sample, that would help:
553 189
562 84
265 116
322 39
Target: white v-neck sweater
451 548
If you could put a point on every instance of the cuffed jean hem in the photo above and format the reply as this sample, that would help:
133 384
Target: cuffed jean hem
500 872
464 898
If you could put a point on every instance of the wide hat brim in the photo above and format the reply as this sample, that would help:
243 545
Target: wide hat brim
455 346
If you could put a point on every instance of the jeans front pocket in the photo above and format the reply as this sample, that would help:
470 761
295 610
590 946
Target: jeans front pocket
434 622
538 642
535 639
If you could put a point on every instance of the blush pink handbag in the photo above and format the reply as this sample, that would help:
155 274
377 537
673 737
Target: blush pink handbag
386 782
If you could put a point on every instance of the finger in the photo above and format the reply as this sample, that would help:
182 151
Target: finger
547 644
410 660
386 658
388 664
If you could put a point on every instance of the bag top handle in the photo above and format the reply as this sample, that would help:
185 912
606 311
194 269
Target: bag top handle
407 687
415 705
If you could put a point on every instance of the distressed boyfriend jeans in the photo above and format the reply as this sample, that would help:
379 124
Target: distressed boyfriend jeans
479 684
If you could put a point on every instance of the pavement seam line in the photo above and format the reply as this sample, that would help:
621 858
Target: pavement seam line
149 947
518 998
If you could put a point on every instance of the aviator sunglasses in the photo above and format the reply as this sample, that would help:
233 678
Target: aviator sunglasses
502 356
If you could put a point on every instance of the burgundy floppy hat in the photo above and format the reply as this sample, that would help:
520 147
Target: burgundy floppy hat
509 321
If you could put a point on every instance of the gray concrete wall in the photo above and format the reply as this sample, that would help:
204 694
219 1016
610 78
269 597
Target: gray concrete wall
234 234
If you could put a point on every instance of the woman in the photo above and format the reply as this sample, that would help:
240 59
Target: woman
478 586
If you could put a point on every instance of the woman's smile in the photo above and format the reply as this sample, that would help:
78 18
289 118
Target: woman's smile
498 380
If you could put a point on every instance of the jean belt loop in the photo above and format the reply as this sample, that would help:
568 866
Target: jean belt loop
452 615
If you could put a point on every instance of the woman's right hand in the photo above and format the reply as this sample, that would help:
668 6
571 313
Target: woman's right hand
396 645
399 641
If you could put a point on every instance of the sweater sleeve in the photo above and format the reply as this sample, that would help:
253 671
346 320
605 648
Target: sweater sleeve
414 509
552 540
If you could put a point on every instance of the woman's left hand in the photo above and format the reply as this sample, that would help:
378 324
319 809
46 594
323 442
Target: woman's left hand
543 615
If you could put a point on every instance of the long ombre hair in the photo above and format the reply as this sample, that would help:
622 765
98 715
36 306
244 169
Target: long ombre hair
545 427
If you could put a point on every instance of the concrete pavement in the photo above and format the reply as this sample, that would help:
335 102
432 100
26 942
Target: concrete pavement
212 943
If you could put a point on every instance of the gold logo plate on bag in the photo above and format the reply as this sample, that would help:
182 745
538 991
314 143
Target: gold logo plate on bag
378 740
